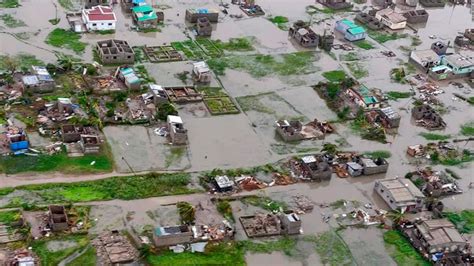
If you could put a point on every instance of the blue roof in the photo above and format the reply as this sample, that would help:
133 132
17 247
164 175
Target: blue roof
356 30
138 1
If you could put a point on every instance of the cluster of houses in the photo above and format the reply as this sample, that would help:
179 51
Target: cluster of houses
305 36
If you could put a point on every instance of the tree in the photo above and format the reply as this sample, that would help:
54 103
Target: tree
11 64
164 110
329 148
65 62
397 216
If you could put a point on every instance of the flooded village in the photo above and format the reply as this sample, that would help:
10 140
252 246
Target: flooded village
236 132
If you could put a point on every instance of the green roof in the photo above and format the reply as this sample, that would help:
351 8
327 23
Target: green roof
144 12
356 30
349 23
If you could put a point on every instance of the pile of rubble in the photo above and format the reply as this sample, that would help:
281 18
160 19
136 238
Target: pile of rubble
435 183
261 225
114 248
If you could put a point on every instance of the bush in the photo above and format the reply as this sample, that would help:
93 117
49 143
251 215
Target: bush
164 110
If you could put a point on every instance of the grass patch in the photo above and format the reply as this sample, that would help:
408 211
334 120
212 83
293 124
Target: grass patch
24 61
263 65
398 75
332 249
280 21
265 203
49 257
379 154
176 153
434 136
357 70
253 103
54 21
57 162
224 208
401 250
9 217
66 39
364 44
351 56
66 4
468 129
463 220
394 95
190 49
381 37
235 44
12 22
89 257
311 10
9 4
123 187
335 75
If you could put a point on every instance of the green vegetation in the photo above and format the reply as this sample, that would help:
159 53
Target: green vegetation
224 208
265 203
286 245
381 37
49 257
89 163
398 74
209 47
357 70
452 157
452 173
186 212
280 21
66 4
9 217
394 95
89 257
311 10
364 44
12 22
379 154
217 101
175 155
335 75
54 21
463 220
164 110
236 44
190 49
470 100
434 136
367 130
332 249
401 250
253 103
9 4
121 187
351 56
21 61
66 39
105 32
263 65
468 129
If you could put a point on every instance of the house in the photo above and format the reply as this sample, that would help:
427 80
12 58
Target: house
416 16
400 194
317 170
144 17
40 81
469 34
427 117
390 117
178 134
90 144
391 19
350 30
99 18
57 218
131 80
223 183
289 130
439 241
439 47
369 20
193 14
203 27
326 40
424 58
172 235
460 65
335 4
92 3
290 223
260 225
158 93
115 52
72 133
202 72
303 34
354 169
372 166
432 3
363 97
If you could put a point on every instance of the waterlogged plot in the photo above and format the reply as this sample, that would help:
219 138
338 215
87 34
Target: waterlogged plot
209 47
263 65
217 101
66 39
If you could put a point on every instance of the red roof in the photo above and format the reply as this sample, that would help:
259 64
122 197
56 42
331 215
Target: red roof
100 13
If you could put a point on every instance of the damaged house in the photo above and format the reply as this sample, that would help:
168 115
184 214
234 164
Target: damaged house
178 134
427 117
59 112
439 241
364 97
391 19
91 3
424 59
261 225
57 218
131 80
158 94
193 14
303 34
315 168
112 248
373 166
223 183
400 194
452 67
335 4
115 52
203 27
435 183
15 139
172 235
295 130
40 81
386 116
416 16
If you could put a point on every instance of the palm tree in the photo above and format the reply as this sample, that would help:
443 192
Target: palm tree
396 216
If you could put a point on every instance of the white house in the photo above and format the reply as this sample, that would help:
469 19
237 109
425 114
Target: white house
391 19
99 18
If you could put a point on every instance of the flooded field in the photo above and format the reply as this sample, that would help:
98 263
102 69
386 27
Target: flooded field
272 81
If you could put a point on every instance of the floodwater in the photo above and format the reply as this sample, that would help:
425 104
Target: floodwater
248 139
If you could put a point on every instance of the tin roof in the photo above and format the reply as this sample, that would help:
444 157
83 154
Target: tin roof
144 12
